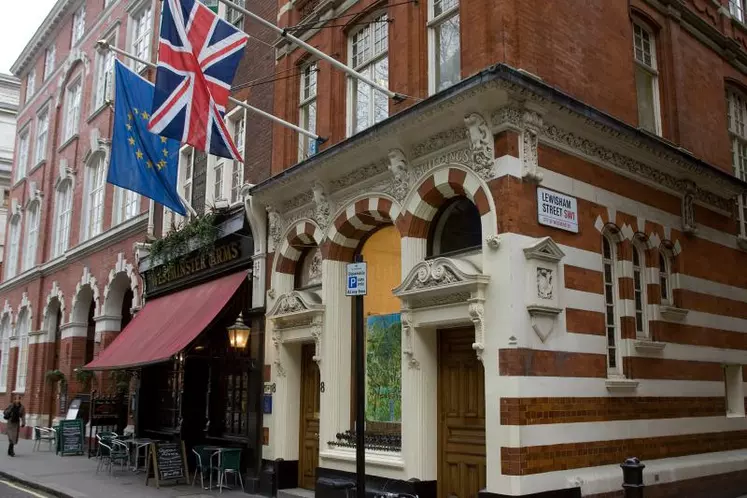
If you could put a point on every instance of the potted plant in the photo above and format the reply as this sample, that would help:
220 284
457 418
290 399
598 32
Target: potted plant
84 378
55 376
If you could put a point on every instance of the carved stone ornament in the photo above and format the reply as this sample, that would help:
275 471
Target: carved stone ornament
544 283
545 250
398 168
482 145
532 124
277 342
477 315
543 319
542 294
407 332
316 332
493 241
295 308
275 227
688 210
321 207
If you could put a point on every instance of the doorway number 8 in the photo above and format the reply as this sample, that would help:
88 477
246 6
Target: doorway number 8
321 387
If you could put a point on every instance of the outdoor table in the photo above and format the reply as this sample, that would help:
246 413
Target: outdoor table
216 452
136 444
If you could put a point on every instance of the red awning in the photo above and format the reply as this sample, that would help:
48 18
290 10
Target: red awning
167 325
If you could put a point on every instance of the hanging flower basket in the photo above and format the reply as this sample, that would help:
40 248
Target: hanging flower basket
55 376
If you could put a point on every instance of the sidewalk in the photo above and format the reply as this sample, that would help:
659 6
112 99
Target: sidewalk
75 477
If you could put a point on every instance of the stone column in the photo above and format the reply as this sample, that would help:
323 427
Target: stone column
287 400
73 354
107 329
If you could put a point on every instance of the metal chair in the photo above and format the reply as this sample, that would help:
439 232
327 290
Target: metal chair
229 463
111 452
203 457
47 434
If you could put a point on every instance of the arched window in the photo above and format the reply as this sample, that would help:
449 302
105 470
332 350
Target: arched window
610 298
22 332
14 238
126 205
309 268
639 291
664 280
63 212
32 236
94 198
383 331
457 228
4 352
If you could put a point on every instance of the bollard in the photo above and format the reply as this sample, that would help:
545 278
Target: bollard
632 478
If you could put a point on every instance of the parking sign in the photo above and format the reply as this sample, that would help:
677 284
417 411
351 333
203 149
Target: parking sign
356 279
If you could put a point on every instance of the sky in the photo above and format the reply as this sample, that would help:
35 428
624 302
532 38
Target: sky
18 23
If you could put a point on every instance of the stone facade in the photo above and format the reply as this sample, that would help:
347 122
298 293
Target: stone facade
9 91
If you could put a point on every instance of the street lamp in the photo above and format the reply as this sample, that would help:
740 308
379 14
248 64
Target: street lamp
238 333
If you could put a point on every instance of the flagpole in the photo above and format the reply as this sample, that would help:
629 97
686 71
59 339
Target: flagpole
397 97
103 44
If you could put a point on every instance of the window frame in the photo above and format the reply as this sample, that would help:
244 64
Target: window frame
73 104
126 205
104 87
30 84
63 214
665 277
23 327
31 244
235 17
737 10
40 151
308 71
639 290
238 129
611 305
736 116
141 35
434 23
22 163
94 196
653 71
219 184
50 54
5 334
78 26
370 62
437 226
14 246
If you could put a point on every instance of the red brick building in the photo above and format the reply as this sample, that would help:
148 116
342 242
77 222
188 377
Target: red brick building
552 221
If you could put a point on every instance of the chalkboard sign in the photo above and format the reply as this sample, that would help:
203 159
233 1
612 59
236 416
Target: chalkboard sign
71 437
167 462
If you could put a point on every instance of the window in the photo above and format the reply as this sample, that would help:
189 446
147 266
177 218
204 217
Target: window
4 352
14 239
42 130
218 181
369 56
72 110
666 291
94 199
307 111
22 332
49 61
736 9
141 36
734 390
79 25
104 76
610 294
736 115
126 205
63 209
444 63
23 154
211 4
457 227
235 17
237 168
646 79
187 169
30 84
32 236
237 398
639 292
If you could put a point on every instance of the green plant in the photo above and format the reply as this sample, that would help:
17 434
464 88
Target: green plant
121 379
84 377
200 230
54 376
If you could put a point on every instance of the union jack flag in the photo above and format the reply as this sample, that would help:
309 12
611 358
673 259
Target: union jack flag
198 54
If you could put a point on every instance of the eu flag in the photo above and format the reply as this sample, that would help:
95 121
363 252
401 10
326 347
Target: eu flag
141 161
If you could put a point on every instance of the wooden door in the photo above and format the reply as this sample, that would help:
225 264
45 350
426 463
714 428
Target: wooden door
461 407
308 454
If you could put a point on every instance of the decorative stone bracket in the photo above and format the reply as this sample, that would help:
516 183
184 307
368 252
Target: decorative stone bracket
542 288
296 309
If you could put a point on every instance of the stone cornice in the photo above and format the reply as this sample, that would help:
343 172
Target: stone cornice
50 23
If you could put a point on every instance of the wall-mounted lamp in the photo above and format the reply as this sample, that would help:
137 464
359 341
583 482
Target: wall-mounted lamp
238 333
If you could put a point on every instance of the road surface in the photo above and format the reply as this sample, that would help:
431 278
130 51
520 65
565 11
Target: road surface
12 490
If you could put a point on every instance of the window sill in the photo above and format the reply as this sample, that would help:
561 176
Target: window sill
649 345
378 458
68 142
672 312
20 392
742 242
38 165
100 109
734 415
20 181
621 385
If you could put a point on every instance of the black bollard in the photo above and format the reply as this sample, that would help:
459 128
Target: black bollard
633 478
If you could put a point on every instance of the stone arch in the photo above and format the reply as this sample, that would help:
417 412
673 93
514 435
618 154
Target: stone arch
7 312
302 233
85 291
75 59
26 304
438 187
121 278
359 218
55 302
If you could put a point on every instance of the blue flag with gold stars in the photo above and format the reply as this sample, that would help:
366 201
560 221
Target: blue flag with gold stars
140 160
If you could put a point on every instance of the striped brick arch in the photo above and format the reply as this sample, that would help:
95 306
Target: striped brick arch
303 234
434 191
358 219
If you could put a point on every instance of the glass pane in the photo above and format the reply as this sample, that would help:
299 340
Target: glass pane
637 279
644 84
441 6
639 322
606 250
608 294
663 285
638 304
610 316
608 273
361 106
448 56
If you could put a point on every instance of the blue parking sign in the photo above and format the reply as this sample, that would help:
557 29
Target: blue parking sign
356 279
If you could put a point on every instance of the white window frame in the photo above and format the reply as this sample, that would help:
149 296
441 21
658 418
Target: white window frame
23 153
736 115
665 277
126 205
23 327
104 89
73 101
93 218
49 61
141 35
235 17
32 235
30 84
42 136
737 9
14 245
734 390
362 67
184 186
219 184
434 23
5 333
63 217
238 130
306 103
650 68
640 297
79 26
611 303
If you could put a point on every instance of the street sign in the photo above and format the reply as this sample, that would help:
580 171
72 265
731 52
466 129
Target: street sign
355 279
557 210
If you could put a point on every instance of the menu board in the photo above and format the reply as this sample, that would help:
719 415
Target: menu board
71 437
167 462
